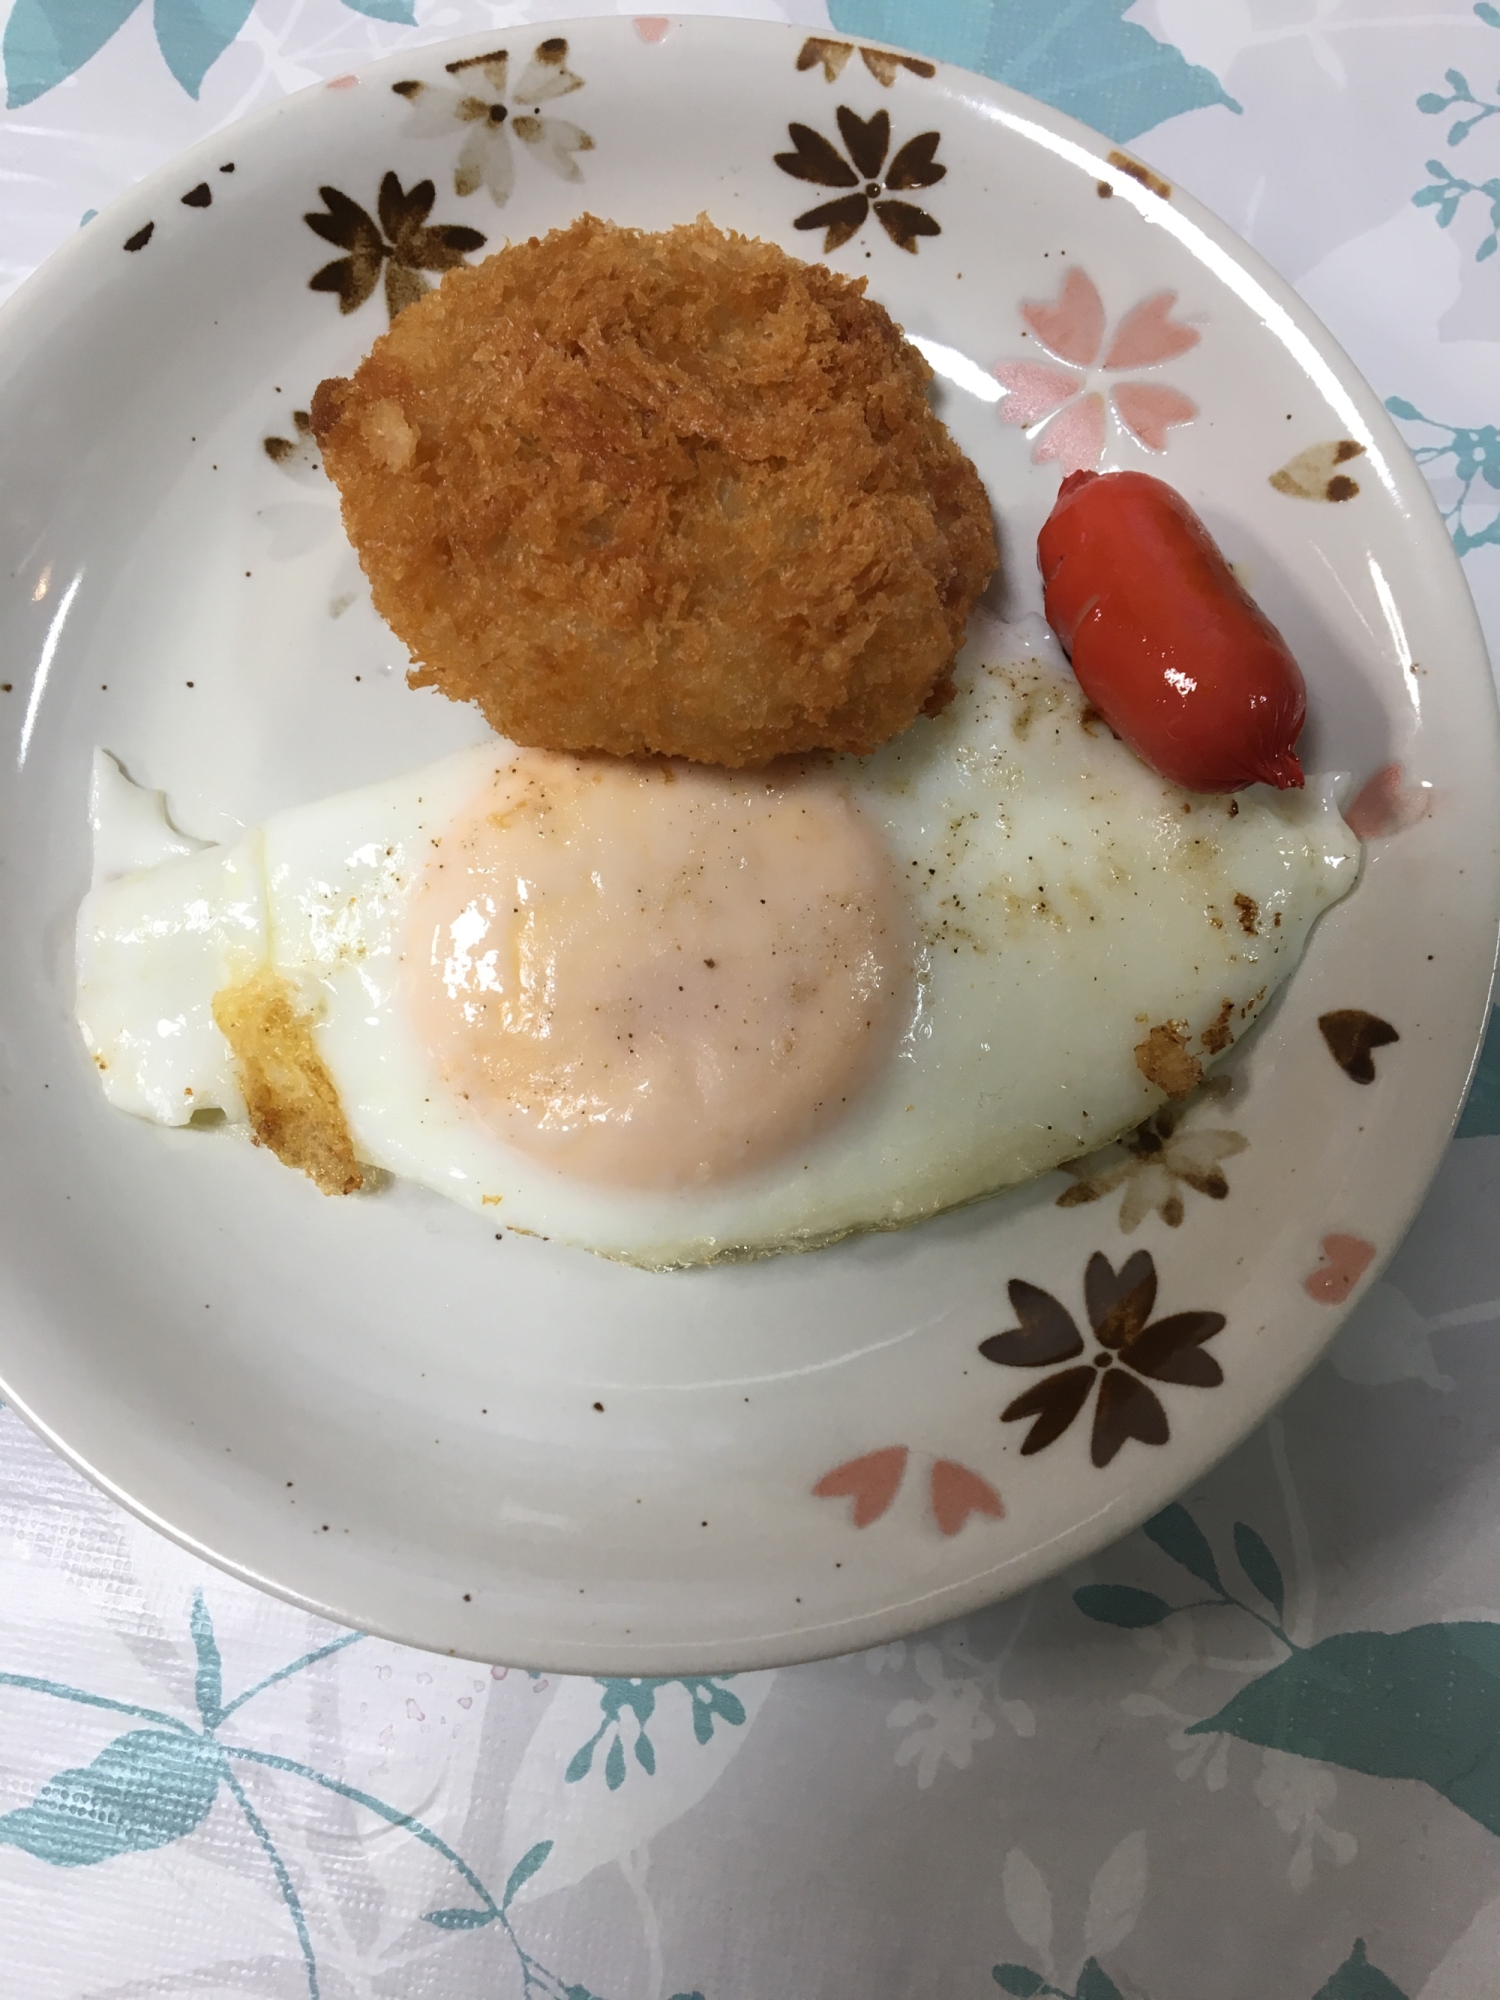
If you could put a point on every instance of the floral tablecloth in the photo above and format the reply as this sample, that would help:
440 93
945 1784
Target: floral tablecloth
1252 1751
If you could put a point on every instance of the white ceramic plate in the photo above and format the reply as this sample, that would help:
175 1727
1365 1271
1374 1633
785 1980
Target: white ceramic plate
373 1406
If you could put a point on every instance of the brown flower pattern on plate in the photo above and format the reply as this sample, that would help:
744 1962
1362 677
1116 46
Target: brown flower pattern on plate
1353 1036
201 196
881 63
867 141
402 241
1131 1352
478 105
1156 1161
298 455
1314 475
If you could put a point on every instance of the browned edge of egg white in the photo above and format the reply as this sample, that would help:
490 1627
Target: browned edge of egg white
293 1105
1165 1059
1138 171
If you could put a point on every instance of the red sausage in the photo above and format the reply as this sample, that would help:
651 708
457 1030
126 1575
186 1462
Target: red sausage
1165 643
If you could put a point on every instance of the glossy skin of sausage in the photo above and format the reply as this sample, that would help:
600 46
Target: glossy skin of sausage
1165 643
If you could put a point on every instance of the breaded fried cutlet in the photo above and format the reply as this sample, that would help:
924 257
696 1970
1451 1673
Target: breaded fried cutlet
673 493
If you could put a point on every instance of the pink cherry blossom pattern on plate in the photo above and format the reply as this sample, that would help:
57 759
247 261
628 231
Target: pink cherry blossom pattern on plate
873 1480
956 1493
1345 1261
1386 804
1069 413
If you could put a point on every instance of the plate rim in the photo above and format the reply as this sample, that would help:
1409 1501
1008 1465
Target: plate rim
74 259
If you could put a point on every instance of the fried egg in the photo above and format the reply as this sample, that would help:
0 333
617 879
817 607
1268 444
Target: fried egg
673 1014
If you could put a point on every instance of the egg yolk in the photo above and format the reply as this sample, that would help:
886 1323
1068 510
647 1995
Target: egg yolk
656 975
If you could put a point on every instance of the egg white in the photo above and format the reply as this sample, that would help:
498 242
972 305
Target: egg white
1066 900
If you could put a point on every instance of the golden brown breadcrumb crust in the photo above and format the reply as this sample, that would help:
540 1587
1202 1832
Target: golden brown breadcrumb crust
293 1105
675 493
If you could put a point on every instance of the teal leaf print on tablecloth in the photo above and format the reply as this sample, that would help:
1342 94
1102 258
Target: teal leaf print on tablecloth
193 34
1082 56
154 1786
144 1790
473 1920
710 1699
1446 191
1178 1535
284 1881
1258 1563
614 1763
1458 93
1122 1604
1421 1704
1481 1116
523 1871
1476 462
209 1683
1094 1983
1357 1979
46 40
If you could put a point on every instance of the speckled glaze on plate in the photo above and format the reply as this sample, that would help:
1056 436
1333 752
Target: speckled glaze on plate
519 1452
